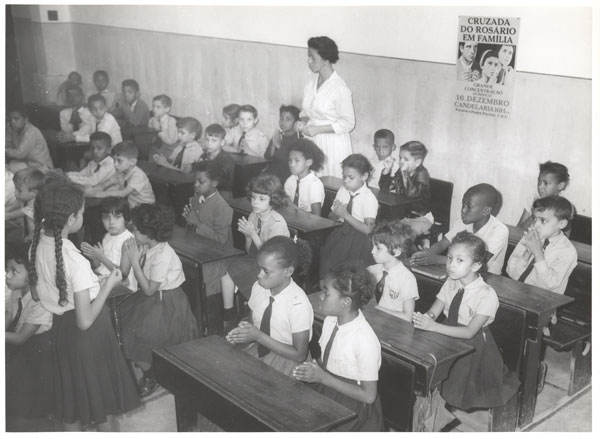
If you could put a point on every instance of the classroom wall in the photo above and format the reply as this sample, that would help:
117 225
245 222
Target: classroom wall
551 115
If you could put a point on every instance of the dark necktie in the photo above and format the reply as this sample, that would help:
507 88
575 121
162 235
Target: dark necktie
265 326
297 194
75 120
454 307
258 227
97 168
179 159
240 142
328 347
529 268
97 125
143 261
15 321
350 203
380 285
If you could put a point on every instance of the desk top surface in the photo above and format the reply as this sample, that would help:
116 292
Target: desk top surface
164 175
199 248
387 198
584 251
401 339
247 159
294 217
511 292
271 397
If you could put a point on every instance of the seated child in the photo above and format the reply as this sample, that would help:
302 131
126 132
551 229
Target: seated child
159 313
348 369
476 214
265 194
470 306
130 110
231 115
101 168
104 120
252 141
106 257
76 121
208 211
387 155
29 371
25 145
213 146
278 151
74 79
27 182
13 213
396 287
545 257
552 180
356 206
304 188
101 81
412 181
281 316
165 124
130 181
188 149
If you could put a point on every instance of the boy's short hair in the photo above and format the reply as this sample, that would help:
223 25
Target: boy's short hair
164 99
232 110
490 193
384 133
394 235
18 252
562 208
249 109
101 136
215 130
213 171
127 149
131 83
191 124
116 206
22 110
101 73
415 148
31 178
284 248
96 98
560 171
292 109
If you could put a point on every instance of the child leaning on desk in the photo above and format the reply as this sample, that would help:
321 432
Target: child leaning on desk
187 151
348 369
470 306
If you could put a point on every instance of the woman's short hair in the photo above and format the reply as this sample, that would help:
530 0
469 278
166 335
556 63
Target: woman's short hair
325 47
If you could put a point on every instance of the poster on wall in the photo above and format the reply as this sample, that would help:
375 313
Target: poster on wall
485 66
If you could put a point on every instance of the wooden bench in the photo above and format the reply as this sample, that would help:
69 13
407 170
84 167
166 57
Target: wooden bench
238 392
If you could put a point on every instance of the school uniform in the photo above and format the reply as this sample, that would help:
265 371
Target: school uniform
378 166
279 164
109 96
495 235
475 380
167 132
135 115
243 270
92 379
83 124
94 173
560 259
256 142
233 135
162 319
192 152
354 356
28 146
29 368
142 189
346 245
215 216
399 286
310 190
225 162
112 246
291 313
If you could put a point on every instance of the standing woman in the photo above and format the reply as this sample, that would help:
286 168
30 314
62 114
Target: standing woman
327 115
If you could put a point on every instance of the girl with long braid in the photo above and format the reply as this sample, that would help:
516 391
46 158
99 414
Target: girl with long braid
92 381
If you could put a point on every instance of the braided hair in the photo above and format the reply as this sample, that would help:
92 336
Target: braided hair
353 282
54 204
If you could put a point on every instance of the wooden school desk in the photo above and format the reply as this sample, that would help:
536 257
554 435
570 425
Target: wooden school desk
69 154
239 392
196 252
246 167
400 340
538 304
390 205
312 228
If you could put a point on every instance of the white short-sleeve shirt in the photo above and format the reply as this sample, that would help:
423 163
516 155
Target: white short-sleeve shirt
162 265
355 352
193 152
78 274
364 205
34 314
495 235
311 190
478 298
400 285
272 224
112 246
291 312
378 166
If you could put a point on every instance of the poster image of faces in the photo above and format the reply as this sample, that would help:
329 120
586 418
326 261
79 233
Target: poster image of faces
486 63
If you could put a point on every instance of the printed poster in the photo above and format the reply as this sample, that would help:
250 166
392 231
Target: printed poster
485 68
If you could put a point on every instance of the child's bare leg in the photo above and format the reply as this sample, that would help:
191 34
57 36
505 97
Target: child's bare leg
229 314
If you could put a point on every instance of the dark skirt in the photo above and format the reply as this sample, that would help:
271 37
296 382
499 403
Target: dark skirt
149 322
369 417
244 271
92 379
29 378
345 247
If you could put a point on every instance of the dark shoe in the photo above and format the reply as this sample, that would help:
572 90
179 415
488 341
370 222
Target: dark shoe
542 377
147 386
